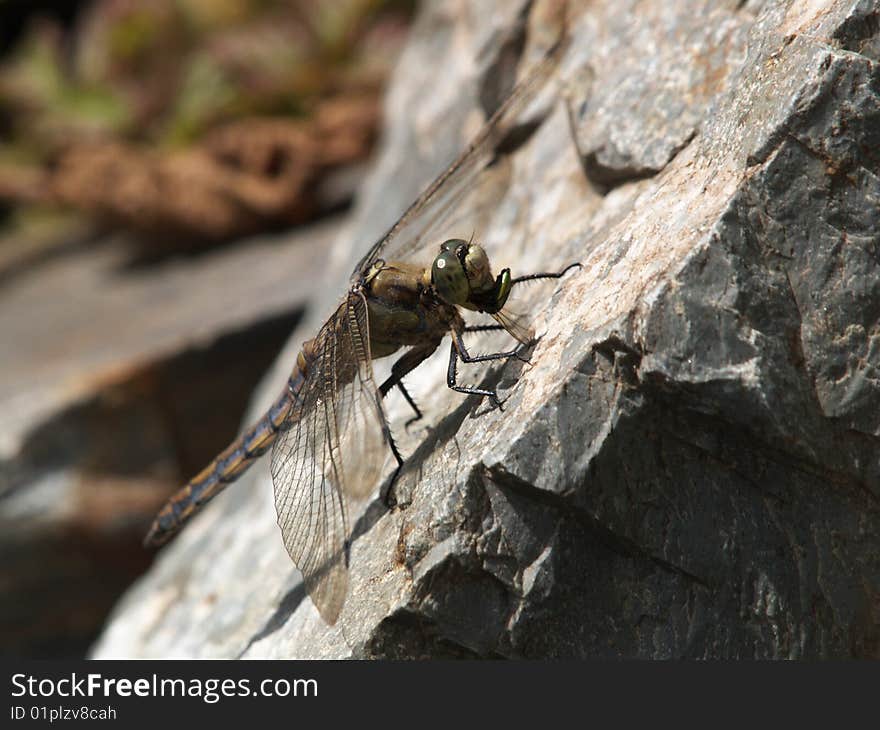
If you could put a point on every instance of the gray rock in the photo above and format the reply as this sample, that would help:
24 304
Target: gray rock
689 467
652 70
117 377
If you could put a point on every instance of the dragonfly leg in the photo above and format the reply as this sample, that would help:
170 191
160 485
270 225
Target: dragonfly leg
405 365
394 450
458 350
496 328
412 404
387 493
547 275
392 382
483 328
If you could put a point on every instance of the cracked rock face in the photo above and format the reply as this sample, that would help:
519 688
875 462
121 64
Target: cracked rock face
690 465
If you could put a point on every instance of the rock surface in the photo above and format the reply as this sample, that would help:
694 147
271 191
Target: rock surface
690 467
118 379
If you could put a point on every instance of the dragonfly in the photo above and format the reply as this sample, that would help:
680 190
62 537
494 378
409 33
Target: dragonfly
328 430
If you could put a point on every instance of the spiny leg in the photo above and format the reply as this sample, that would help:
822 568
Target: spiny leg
500 317
458 350
483 328
458 344
405 365
495 328
385 494
392 382
545 275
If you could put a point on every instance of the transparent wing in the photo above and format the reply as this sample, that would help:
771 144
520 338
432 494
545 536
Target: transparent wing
363 430
331 448
519 312
432 207
517 324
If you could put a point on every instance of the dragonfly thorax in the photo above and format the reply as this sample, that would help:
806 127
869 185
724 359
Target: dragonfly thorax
462 275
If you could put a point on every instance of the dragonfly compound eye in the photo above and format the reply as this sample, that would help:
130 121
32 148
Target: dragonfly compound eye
449 278
476 266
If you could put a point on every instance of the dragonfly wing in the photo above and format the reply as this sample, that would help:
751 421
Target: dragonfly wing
430 209
363 427
331 449
517 324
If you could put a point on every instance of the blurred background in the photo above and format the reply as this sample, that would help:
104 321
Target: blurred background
170 174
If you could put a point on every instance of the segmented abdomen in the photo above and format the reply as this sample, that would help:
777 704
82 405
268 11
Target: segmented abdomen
233 461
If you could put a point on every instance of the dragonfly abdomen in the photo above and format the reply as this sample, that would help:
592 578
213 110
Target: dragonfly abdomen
229 465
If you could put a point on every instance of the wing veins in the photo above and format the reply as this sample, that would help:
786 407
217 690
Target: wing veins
486 139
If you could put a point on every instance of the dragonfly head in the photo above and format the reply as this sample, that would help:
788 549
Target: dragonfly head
461 274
